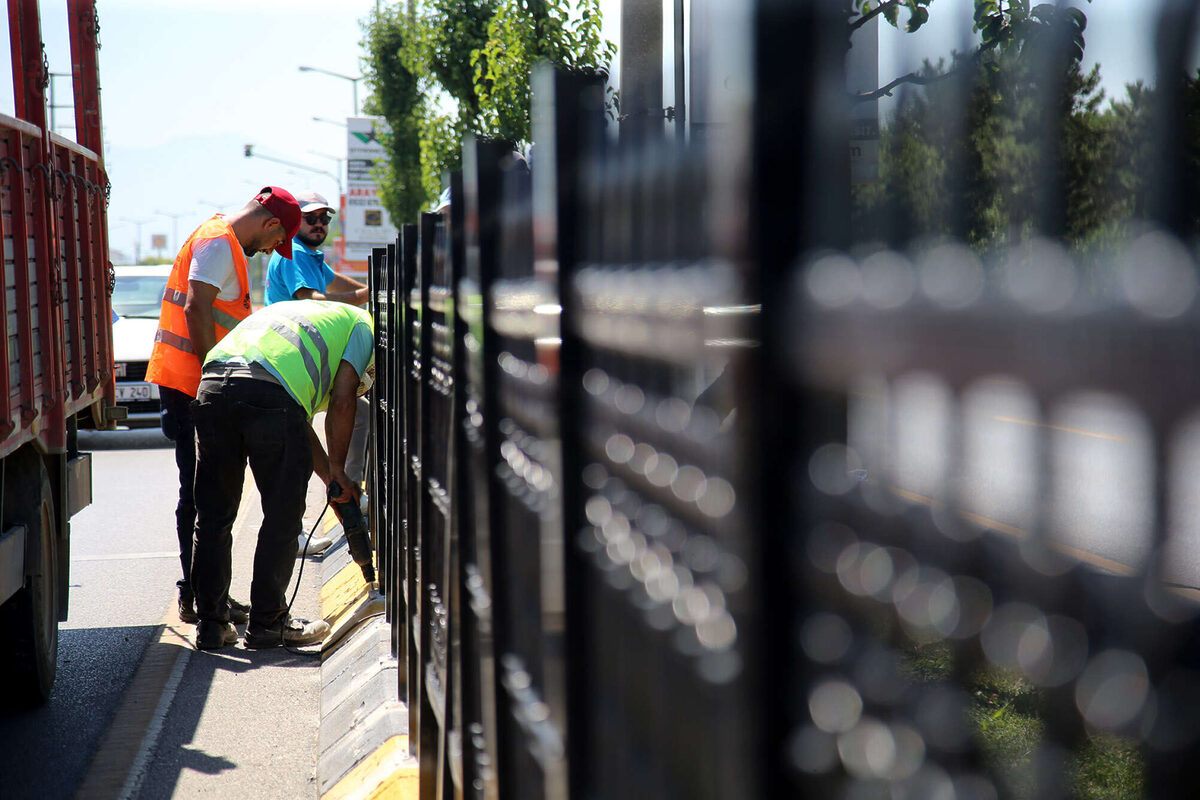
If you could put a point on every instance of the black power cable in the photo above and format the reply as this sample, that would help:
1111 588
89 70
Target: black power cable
287 615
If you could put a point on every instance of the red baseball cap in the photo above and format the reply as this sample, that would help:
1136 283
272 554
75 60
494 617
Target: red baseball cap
281 204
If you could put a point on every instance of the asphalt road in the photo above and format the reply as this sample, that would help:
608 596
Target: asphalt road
1097 479
232 723
124 563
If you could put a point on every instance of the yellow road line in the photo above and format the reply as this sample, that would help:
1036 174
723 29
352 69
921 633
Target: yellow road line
1019 533
1092 558
995 525
912 496
1061 428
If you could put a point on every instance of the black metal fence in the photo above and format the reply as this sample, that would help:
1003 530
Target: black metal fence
648 523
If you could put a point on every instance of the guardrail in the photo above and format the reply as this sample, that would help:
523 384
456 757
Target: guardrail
643 531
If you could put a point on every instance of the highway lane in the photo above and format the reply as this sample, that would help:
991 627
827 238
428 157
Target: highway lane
123 568
1099 471
135 710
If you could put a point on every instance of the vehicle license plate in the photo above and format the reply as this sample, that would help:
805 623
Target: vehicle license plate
129 392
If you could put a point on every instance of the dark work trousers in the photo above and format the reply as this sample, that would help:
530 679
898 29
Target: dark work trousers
177 426
239 420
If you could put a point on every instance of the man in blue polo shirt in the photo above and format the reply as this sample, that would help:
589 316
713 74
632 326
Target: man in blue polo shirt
306 276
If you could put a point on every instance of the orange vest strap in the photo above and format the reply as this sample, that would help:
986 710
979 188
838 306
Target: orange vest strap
173 362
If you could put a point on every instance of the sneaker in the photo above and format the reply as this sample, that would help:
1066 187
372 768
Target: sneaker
213 635
294 633
238 612
314 546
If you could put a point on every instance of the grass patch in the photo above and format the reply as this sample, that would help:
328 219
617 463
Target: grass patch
1007 721
1109 768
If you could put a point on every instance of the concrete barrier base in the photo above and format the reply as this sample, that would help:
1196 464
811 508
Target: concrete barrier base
363 745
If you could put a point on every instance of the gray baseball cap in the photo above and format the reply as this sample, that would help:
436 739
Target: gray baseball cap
310 201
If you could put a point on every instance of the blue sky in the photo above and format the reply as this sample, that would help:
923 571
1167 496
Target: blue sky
185 84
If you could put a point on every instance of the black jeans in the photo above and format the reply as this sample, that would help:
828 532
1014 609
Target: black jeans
177 426
240 419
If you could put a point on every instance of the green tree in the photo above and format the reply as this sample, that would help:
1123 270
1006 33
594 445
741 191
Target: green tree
453 67
395 97
521 34
1003 27
986 157
967 157
1014 137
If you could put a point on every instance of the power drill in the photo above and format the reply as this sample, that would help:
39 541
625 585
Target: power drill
357 535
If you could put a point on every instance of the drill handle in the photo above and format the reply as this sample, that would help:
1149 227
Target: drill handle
334 491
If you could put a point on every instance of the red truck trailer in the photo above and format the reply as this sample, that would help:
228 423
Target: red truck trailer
56 364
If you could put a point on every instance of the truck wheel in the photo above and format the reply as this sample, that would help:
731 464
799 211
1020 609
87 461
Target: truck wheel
30 619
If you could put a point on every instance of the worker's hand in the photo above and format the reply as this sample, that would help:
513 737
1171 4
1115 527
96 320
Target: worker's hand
350 489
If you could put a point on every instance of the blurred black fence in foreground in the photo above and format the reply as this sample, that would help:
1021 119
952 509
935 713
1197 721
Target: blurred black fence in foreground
643 523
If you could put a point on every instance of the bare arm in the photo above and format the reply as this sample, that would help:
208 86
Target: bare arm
339 425
341 289
197 310
344 283
320 460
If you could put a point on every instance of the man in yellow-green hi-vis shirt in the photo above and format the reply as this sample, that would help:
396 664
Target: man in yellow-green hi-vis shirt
259 389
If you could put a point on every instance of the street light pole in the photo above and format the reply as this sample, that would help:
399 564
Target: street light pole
174 226
249 153
53 105
137 243
340 161
341 241
352 80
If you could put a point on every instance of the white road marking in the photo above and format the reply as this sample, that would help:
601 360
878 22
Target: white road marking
126 556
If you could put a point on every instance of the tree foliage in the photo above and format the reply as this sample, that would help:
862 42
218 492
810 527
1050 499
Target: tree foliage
463 66
395 96
1001 152
519 35
1005 27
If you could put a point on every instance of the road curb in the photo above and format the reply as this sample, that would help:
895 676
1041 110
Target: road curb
362 744
124 753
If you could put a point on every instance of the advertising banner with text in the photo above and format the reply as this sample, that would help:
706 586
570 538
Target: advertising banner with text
366 223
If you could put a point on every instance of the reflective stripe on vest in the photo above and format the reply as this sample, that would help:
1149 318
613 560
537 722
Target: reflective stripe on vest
174 339
318 373
303 342
226 321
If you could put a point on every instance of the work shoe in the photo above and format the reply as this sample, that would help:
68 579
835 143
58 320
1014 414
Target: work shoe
187 606
314 546
213 635
238 612
288 631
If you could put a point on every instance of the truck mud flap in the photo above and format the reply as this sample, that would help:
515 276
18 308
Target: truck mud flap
79 484
12 561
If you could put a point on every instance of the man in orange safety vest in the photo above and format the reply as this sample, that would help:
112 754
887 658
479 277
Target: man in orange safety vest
207 294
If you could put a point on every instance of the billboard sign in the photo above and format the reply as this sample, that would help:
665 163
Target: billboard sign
366 224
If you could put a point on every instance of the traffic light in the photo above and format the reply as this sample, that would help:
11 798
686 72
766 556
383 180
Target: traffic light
249 148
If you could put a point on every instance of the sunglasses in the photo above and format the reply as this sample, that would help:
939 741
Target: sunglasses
314 219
